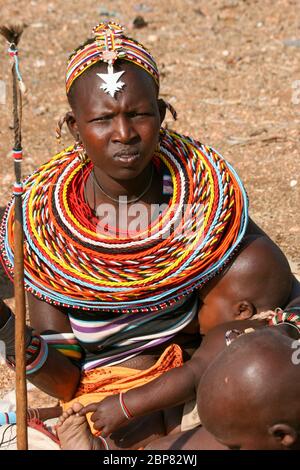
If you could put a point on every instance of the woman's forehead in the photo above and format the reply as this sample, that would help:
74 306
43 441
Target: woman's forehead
138 86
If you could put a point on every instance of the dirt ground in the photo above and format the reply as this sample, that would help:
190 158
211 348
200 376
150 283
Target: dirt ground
231 68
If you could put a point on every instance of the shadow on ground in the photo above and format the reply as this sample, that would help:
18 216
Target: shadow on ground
6 287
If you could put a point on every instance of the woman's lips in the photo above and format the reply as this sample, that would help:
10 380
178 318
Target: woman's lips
127 158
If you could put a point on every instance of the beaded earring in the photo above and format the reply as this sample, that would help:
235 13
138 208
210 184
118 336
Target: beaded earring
81 154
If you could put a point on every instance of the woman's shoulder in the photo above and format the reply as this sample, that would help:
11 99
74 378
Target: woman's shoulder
47 317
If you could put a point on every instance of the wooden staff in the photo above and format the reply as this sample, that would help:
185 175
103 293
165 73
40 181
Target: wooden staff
12 34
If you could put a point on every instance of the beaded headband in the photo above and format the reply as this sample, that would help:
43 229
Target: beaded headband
109 45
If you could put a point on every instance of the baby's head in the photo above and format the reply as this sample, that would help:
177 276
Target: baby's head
248 398
258 279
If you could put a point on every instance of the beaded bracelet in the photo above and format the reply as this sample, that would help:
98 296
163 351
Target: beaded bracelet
11 418
33 413
104 442
125 410
31 352
40 360
295 310
8 418
37 349
290 316
33 348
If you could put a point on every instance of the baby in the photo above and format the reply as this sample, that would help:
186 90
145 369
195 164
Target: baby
240 293
248 398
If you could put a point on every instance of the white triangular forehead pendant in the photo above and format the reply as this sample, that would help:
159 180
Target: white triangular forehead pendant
111 81
108 36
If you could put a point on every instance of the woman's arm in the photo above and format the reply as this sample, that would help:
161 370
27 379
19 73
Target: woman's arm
294 296
46 318
58 377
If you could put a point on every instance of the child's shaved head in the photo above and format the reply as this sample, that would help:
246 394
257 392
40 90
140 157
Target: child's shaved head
249 396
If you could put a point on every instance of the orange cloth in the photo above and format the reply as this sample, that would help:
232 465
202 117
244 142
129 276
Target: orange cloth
99 383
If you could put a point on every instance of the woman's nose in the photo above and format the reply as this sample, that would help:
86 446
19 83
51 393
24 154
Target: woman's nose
124 131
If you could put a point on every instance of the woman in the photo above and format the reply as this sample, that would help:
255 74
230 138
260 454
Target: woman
121 232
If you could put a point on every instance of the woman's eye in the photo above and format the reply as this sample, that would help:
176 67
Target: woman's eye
104 118
139 114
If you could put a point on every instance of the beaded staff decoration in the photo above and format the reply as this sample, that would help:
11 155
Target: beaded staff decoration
13 34
109 45
69 262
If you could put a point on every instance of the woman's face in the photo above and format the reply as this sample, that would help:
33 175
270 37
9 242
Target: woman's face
119 134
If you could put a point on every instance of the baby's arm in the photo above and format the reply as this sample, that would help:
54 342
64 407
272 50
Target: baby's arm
170 389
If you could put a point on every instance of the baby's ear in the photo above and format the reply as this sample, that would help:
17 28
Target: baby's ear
284 434
244 310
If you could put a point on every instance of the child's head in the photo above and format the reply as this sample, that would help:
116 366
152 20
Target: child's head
246 287
248 398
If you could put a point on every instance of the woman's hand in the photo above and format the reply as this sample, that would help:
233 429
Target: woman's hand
107 415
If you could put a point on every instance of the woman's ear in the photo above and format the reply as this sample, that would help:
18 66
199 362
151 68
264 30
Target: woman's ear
72 124
162 106
70 120
284 434
244 310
